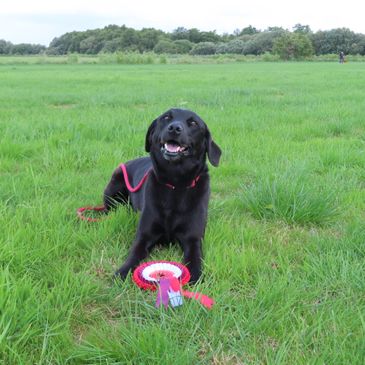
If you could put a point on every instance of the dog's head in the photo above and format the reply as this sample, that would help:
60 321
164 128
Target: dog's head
180 135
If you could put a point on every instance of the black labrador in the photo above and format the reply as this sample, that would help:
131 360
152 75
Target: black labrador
170 188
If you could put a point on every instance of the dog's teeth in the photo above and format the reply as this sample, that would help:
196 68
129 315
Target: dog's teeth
172 147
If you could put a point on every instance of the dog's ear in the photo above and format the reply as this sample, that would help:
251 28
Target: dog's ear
151 129
213 150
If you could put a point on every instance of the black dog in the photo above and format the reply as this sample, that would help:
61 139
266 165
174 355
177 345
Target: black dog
170 188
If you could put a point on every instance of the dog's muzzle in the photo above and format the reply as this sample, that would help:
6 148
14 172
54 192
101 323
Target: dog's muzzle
173 150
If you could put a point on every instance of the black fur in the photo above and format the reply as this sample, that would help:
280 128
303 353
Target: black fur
172 201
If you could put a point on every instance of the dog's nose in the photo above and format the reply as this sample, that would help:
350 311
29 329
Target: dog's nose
175 127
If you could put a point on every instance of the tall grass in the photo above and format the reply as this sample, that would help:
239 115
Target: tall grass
292 197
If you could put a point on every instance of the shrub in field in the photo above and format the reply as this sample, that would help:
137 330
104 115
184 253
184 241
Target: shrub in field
261 42
269 57
204 48
291 198
235 46
164 46
293 46
183 46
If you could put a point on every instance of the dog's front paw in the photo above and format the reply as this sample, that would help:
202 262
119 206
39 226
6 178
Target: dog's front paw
120 274
195 275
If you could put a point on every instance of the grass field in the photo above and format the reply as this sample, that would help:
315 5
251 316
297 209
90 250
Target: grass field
285 242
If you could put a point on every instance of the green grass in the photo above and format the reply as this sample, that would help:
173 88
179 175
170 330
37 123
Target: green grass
285 242
291 196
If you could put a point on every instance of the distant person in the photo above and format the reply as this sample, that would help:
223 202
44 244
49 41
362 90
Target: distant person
342 57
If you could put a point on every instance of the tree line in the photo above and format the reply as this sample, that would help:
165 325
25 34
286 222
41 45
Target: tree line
8 48
298 43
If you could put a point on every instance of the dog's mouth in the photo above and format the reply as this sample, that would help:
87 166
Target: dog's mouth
174 150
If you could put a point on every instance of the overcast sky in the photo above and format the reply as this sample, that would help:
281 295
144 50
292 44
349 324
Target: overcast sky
36 21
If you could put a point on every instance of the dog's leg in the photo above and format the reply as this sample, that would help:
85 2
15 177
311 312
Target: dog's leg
193 257
116 191
147 236
138 252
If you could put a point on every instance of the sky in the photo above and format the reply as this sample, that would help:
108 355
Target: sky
39 21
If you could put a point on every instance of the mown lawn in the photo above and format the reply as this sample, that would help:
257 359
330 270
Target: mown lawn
285 242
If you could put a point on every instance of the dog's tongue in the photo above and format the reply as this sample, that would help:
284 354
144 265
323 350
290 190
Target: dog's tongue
172 147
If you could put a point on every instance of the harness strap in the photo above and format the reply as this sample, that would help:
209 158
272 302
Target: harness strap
101 208
192 185
126 180
144 178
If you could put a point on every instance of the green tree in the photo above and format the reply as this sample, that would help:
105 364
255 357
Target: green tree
183 46
275 29
358 46
130 40
180 33
149 37
91 45
262 42
194 35
299 28
26 49
334 41
58 46
293 46
249 30
5 47
236 46
113 45
209 37
165 46
204 48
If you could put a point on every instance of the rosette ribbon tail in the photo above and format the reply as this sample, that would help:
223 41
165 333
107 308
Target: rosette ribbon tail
163 293
206 301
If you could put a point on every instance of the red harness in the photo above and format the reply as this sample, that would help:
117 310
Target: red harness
131 189
144 178
126 180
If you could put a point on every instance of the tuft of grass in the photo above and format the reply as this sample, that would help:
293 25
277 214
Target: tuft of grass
289 197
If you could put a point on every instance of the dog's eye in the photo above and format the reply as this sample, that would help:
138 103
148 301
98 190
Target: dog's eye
166 117
192 123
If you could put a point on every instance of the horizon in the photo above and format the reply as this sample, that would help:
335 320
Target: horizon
39 22
171 31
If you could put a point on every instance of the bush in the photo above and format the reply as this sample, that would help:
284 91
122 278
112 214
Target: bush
293 46
269 57
204 48
261 43
183 46
164 46
235 46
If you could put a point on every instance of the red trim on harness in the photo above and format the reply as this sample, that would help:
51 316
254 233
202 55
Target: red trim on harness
126 180
144 178
80 211
192 185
